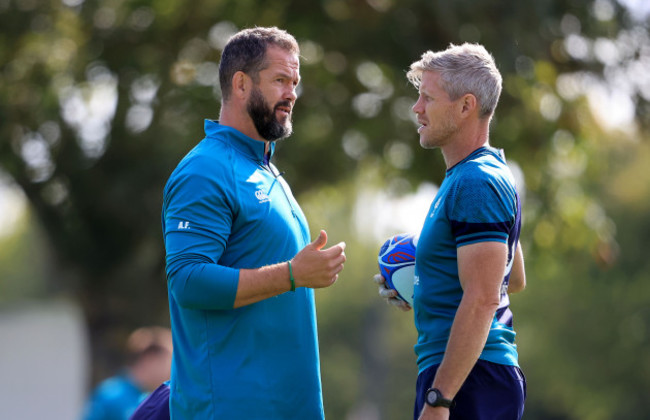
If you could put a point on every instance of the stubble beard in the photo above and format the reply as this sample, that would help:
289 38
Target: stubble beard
439 136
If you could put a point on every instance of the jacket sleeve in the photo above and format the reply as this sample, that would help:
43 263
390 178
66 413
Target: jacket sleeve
198 212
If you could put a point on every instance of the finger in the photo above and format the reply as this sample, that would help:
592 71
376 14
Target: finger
379 279
387 293
395 302
321 240
335 250
339 268
334 265
333 271
400 304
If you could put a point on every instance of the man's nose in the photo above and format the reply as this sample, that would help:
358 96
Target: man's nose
291 94
417 107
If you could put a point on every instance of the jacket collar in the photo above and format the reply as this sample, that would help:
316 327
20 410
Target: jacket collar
248 146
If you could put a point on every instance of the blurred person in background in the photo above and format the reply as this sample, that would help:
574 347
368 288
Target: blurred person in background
468 257
149 353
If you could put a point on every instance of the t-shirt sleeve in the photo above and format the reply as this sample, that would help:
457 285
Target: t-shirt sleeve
482 209
197 219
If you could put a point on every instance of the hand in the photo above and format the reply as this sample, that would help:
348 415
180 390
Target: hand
390 295
434 413
316 267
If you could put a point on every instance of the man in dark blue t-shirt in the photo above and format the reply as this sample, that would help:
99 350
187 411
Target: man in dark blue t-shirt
468 258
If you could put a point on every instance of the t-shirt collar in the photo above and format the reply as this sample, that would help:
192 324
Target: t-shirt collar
481 150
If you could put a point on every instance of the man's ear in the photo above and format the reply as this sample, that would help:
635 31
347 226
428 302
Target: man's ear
468 103
241 84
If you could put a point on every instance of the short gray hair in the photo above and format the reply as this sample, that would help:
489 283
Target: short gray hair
466 68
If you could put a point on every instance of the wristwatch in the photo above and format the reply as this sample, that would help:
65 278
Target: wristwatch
434 398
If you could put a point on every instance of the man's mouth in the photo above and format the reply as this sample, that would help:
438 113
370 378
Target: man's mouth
283 109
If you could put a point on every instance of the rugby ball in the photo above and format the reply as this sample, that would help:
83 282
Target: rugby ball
397 264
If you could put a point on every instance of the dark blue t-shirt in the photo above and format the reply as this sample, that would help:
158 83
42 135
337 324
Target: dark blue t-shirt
476 202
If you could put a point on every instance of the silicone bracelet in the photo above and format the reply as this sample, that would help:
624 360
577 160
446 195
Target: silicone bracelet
293 281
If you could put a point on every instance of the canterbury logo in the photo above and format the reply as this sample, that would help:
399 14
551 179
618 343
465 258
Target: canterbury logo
435 207
262 196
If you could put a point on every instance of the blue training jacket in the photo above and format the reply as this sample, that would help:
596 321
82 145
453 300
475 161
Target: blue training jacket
225 208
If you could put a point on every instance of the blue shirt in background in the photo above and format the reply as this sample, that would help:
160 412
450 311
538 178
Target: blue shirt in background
115 398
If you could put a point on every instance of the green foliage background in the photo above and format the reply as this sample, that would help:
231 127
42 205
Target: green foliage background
99 101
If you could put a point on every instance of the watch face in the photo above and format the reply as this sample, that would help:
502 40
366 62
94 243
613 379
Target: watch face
432 397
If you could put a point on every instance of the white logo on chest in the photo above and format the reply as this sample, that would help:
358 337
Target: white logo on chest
262 196
435 207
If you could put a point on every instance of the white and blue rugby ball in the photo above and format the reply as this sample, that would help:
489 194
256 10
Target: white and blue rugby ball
397 264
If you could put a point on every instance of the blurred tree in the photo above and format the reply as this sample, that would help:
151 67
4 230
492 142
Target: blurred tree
99 101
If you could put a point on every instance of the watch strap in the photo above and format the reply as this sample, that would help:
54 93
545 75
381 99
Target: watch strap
437 399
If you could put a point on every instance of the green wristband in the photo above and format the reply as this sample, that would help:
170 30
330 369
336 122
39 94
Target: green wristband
293 281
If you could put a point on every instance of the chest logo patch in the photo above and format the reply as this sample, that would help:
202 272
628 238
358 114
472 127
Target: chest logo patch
435 207
262 196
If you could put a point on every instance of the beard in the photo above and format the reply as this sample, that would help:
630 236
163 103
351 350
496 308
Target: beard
439 137
263 116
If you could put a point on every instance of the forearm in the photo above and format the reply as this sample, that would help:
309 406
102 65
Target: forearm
198 284
466 341
210 286
312 267
262 283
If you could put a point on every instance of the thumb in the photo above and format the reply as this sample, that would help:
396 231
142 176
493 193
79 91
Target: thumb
321 240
